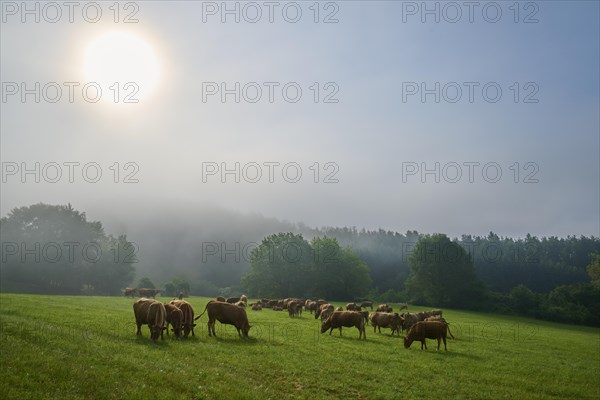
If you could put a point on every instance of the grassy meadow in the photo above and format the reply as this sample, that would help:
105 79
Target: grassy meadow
60 347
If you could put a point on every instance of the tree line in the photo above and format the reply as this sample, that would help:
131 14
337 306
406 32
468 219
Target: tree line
55 249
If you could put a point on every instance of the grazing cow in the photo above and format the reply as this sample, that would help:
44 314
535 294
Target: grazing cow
443 320
241 304
145 292
233 300
295 308
226 313
339 319
256 307
384 308
180 296
435 313
292 308
306 304
311 306
324 311
221 298
152 313
244 298
409 320
426 330
351 307
339 309
129 292
386 320
188 316
277 308
367 303
174 317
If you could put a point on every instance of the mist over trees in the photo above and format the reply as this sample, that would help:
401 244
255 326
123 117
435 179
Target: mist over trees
55 249
442 273
217 252
286 265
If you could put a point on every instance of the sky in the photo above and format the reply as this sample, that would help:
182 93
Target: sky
349 113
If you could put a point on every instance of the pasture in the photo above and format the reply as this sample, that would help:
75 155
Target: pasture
86 347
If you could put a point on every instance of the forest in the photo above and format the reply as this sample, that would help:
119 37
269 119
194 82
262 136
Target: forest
54 249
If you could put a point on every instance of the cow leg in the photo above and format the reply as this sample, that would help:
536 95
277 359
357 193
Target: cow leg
209 334
340 331
139 329
439 342
331 330
445 349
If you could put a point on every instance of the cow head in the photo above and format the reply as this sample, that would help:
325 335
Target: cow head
325 325
155 332
176 330
246 329
407 342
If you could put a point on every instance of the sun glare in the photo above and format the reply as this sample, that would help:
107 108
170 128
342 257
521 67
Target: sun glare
121 57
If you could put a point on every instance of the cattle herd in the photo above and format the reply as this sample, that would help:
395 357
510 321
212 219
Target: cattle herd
179 315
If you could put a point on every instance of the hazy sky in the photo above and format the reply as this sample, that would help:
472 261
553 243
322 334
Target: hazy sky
371 130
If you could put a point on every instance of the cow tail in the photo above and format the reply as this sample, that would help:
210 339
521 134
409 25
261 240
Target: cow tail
450 333
205 308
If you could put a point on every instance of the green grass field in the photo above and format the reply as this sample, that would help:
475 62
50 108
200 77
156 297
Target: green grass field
55 347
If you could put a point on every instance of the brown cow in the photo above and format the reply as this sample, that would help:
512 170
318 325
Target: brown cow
436 313
175 318
256 307
241 304
339 309
351 307
426 330
409 320
365 315
129 292
152 313
384 308
188 316
293 309
145 292
443 320
306 304
339 319
386 320
221 298
226 313
311 306
244 298
233 300
324 311
367 303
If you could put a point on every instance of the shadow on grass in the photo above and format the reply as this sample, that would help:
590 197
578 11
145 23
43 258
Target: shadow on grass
432 350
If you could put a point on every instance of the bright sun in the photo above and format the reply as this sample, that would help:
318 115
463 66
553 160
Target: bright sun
121 57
